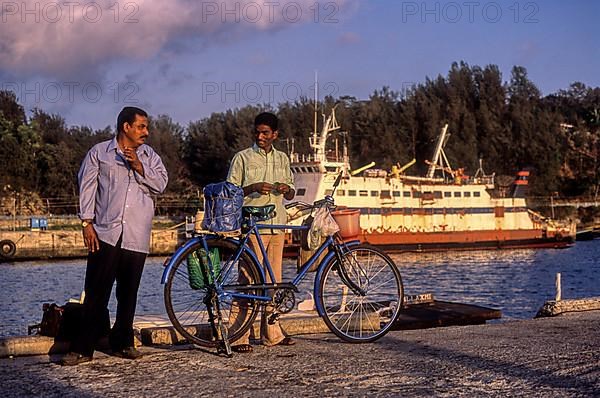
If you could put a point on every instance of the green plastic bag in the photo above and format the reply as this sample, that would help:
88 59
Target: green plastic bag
197 265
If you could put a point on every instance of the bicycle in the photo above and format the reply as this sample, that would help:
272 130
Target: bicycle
358 289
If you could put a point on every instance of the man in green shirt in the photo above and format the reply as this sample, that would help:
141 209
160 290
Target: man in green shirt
264 174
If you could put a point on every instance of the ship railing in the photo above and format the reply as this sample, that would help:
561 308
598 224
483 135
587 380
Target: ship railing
548 222
302 158
485 180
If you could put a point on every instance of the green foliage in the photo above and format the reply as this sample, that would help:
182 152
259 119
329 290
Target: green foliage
167 139
212 142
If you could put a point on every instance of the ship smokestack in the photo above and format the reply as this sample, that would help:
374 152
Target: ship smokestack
521 185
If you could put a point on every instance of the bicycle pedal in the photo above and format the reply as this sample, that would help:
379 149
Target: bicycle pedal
273 318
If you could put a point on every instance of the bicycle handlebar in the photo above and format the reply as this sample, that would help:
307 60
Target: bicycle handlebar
326 201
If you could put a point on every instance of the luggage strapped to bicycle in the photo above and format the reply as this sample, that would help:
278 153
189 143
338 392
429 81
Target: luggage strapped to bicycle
223 203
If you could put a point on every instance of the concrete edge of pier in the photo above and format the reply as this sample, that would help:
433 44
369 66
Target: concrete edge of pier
157 330
557 307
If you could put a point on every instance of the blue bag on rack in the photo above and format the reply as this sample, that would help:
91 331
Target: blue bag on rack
223 203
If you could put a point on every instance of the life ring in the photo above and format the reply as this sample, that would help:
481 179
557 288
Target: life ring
7 248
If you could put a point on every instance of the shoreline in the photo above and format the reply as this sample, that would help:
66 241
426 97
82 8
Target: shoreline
63 243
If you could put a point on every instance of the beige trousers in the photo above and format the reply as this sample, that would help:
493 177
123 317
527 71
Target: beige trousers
271 334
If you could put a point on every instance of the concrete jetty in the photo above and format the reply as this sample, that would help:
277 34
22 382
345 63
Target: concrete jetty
151 330
550 357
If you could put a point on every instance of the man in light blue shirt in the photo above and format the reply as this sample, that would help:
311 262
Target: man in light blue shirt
116 181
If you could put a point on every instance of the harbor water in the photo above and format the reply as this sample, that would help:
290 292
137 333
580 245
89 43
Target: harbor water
517 282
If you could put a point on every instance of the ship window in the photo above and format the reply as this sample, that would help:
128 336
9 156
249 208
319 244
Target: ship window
467 194
374 193
341 192
477 194
447 194
457 194
416 194
406 194
385 195
363 193
437 194
351 192
301 191
328 191
396 193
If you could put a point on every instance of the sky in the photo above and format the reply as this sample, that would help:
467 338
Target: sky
85 60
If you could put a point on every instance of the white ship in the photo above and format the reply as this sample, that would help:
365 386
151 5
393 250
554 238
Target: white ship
442 210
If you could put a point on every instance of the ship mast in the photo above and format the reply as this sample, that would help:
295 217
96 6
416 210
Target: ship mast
439 160
318 141
316 106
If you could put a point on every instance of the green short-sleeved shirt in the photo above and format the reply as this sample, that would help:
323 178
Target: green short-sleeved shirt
254 165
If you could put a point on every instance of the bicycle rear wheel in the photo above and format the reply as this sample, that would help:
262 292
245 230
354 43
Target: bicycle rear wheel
362 295
186 302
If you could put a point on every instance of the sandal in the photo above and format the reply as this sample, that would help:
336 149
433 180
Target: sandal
287 341
242 348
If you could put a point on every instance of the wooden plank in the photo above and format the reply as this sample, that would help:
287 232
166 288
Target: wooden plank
443 313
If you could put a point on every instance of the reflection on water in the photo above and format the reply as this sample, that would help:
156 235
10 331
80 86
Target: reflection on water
25 286
515 281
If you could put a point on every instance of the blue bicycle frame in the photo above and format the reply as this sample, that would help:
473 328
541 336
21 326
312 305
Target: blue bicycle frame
243 247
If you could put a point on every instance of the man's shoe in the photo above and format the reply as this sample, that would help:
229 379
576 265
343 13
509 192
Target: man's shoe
287 341
128 353
73 358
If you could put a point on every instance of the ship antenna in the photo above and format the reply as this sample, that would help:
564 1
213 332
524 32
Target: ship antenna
316 104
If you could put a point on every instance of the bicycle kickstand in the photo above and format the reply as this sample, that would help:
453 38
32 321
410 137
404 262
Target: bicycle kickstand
218 330
224 347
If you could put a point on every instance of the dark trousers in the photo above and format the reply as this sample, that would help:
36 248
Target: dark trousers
104 266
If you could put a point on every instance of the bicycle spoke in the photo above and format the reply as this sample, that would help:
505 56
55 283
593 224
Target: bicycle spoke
187 305
354 293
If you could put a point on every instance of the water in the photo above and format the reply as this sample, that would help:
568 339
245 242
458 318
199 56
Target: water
517 282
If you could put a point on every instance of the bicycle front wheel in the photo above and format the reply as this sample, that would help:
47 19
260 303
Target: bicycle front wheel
187 300
361 295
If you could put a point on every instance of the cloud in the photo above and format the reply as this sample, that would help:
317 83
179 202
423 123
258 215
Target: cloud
59 38
348 38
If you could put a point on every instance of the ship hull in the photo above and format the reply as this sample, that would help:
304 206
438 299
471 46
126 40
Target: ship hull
443 241
464 240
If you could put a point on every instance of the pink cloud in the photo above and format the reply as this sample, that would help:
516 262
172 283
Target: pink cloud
349 38
60 37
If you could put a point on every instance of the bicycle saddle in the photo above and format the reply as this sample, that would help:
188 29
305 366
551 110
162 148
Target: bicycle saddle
260 213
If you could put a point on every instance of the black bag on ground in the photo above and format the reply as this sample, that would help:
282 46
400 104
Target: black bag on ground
63 322
52 317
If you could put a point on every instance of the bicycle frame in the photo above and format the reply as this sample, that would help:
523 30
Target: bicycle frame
265 266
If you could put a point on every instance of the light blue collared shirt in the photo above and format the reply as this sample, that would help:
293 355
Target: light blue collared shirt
117 198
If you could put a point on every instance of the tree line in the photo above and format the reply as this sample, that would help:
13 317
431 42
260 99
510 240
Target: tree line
509 125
